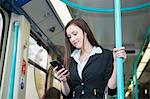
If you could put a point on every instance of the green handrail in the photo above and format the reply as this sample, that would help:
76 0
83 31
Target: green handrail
146 38
107 10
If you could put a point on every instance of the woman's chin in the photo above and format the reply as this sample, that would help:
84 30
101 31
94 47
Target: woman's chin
78 47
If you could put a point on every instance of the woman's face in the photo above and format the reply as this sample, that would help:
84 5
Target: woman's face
75 35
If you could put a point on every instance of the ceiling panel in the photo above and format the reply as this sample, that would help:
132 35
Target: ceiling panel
48 24
45 18
37 10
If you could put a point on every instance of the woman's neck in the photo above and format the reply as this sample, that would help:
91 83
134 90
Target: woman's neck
87 48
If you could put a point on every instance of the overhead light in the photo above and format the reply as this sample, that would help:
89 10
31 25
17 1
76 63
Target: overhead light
62 11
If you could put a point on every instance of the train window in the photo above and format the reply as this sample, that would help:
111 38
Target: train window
40 56
1 28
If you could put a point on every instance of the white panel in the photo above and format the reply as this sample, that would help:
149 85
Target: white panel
38 10
47 24
42 14
31 92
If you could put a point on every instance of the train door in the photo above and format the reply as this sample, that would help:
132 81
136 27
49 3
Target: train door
4 19
13 80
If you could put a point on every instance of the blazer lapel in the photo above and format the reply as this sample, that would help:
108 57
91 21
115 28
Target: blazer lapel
75 71
91 59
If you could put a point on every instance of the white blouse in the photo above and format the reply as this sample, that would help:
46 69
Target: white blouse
76 55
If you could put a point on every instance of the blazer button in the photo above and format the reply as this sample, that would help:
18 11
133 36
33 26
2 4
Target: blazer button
82 92
82 84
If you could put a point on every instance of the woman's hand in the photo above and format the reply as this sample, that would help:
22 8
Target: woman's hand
61 74
119 52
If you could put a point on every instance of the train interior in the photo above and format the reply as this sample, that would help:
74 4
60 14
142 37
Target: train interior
32 35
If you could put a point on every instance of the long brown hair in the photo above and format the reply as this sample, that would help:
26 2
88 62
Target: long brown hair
69 48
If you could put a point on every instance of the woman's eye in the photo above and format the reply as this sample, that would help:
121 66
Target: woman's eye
75 33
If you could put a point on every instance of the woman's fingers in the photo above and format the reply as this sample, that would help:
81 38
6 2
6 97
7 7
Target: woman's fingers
122 55
55 69
118 49
57 73
61 74
119 52
60 71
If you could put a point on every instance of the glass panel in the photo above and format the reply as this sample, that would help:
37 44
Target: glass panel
40 56
1 27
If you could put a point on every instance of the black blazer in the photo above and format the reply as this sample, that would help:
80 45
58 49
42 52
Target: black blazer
95 76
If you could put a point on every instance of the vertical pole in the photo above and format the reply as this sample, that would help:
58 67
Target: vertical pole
136 85
13 66
119 61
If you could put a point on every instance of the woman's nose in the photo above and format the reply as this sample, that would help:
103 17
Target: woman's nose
72 39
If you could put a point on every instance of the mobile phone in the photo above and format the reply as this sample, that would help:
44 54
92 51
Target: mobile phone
55 63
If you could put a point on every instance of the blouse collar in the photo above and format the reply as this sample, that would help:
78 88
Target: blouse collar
96 50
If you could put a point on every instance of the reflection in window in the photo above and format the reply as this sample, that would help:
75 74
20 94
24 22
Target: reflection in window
1 25
40 56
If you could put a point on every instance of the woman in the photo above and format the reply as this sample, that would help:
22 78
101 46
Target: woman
91 67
